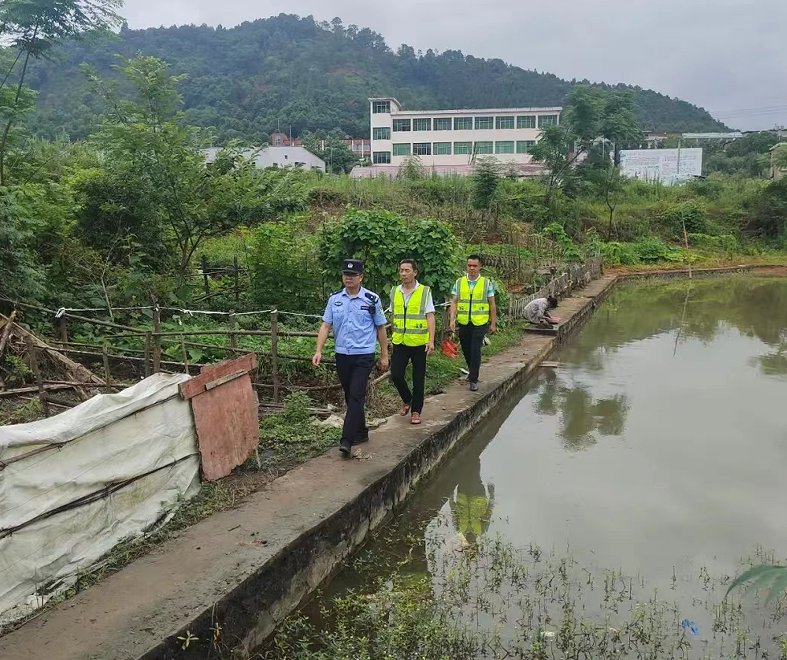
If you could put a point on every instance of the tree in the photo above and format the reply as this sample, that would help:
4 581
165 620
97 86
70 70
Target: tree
34 27
241 80
149 147
604 179
485 179
20 274
592 117
411 169
780 156
332 148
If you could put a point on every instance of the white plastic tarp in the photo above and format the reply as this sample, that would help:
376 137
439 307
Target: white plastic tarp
75 485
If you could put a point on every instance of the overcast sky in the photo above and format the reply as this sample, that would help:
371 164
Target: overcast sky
728 56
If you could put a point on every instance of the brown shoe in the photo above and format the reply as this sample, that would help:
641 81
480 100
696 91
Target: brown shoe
405 409
415 419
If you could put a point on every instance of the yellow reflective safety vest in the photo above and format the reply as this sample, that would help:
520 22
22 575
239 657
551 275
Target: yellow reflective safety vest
472 307
409 321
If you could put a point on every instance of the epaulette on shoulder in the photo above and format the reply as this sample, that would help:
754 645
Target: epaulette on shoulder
335 292
371 296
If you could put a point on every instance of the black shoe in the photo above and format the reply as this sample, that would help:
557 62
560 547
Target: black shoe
346 448
474 387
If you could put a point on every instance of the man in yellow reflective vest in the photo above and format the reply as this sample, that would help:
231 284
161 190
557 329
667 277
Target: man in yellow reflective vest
413 329
473 314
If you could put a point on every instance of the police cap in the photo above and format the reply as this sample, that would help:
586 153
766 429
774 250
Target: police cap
352 267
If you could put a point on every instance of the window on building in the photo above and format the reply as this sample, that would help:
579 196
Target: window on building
524 146
442 124
505 147
379 107
504 122
422 149
463 148
463 123
484 122
381 157
379 134
401 149
527 121
442 148
278 141
547 120
422 124
484 148
401 125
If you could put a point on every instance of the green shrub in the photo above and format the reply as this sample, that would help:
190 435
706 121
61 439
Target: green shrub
619 254
382 239
556 232
709 188
652 249
723 243
769 219
693 213
285 266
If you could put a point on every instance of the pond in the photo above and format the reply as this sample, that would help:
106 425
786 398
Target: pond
641 473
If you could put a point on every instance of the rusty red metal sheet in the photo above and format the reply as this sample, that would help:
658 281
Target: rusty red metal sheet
211 372
224 405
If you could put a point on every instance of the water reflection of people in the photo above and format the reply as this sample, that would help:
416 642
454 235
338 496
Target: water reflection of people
472 502
580 415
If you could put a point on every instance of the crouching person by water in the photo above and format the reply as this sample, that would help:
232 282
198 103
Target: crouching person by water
358 323
412 337
537 311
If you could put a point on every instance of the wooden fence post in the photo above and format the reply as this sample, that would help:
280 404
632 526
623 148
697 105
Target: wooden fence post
237 283
6 333
156 340
63 329
275 354
32 351
185 355
233 337
205 274
107 373
148 343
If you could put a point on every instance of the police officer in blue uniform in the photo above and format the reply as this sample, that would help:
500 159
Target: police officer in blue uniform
358 322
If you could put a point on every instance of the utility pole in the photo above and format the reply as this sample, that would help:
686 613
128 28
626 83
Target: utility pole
679 145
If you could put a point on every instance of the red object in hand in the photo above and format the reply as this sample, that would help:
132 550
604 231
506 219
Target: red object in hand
449 348
554 320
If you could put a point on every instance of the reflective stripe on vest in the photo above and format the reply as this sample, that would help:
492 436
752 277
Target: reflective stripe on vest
409 321
472 306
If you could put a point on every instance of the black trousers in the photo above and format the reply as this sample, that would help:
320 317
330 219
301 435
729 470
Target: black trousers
471 337
354 373
401 356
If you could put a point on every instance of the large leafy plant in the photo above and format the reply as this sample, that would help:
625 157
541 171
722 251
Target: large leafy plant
382 239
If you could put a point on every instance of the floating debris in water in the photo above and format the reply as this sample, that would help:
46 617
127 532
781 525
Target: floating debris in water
689 625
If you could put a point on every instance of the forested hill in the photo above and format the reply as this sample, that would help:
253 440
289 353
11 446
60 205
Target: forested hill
291 72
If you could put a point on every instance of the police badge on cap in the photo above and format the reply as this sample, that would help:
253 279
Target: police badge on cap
352 267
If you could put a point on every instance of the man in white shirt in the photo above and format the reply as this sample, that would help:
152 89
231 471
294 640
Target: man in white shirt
413 332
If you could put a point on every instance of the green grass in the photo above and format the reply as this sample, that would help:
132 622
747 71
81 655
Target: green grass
294 435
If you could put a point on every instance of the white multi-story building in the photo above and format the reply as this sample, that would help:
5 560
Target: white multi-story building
448 141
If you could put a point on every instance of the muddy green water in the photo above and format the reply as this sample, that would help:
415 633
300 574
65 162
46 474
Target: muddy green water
657 448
